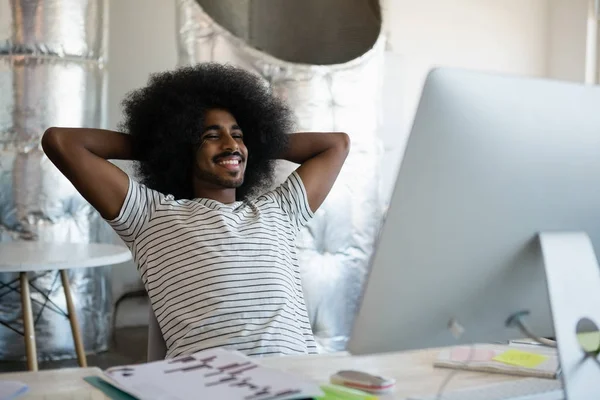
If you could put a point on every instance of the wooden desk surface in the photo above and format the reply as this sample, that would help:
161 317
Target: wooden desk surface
56 384
413 371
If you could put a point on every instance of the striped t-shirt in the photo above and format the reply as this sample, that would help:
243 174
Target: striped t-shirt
222 275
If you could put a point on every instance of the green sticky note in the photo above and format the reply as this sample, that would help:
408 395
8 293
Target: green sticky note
336 392
109 390
521 358
589 341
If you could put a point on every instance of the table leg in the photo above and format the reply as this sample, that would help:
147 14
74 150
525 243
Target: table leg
29 330
73 319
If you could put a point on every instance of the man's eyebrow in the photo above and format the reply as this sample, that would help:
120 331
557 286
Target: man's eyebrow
212 128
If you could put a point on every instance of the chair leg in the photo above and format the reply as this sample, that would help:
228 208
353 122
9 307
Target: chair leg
29 330
73 319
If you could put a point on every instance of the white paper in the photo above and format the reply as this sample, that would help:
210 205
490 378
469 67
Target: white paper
211 374
11 389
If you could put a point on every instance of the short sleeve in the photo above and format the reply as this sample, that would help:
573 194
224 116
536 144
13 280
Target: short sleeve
293 200
138 206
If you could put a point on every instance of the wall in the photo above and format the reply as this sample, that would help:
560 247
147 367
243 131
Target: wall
507 36
142 40
566 40
525 37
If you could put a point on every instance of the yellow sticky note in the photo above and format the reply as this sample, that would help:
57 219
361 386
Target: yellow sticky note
521 358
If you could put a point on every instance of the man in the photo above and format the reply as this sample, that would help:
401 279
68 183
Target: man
214 248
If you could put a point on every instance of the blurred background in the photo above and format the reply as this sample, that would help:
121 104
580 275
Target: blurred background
383 50
542 38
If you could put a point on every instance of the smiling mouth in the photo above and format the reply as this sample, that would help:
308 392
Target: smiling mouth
230 164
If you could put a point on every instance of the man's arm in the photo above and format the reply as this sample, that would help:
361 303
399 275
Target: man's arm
321 156
81 155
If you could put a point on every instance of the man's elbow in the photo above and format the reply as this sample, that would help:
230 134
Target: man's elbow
53 141
343 142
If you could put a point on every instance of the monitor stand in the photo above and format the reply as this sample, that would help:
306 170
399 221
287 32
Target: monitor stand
573 279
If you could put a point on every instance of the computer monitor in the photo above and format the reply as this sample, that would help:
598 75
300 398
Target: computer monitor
491 161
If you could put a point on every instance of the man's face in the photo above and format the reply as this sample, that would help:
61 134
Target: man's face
221 156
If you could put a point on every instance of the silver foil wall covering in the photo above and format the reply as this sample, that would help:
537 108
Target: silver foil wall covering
325 57
52 73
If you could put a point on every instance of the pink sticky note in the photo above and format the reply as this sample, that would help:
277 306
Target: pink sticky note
464 354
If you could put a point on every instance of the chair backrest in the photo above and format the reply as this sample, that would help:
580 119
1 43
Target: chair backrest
157 348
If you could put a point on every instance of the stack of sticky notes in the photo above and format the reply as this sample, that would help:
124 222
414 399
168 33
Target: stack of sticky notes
521 360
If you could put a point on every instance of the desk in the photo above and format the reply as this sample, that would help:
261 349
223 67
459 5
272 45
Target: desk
24 256
413 371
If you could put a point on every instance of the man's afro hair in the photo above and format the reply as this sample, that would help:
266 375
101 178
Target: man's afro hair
165 120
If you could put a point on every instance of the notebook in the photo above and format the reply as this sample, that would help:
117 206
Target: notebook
210 374
514 359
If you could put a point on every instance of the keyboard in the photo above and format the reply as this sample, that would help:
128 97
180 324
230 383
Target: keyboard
525 389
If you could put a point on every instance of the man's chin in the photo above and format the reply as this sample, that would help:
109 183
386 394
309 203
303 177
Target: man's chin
225 181
232 183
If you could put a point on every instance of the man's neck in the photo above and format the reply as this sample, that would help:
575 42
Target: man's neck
222 195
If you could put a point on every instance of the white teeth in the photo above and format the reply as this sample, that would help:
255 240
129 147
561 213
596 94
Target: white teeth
230 162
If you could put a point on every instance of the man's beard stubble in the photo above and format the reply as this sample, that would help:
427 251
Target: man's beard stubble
218 180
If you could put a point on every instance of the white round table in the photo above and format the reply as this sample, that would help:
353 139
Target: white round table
30 256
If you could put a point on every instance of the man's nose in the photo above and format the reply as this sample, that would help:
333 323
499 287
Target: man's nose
229 143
